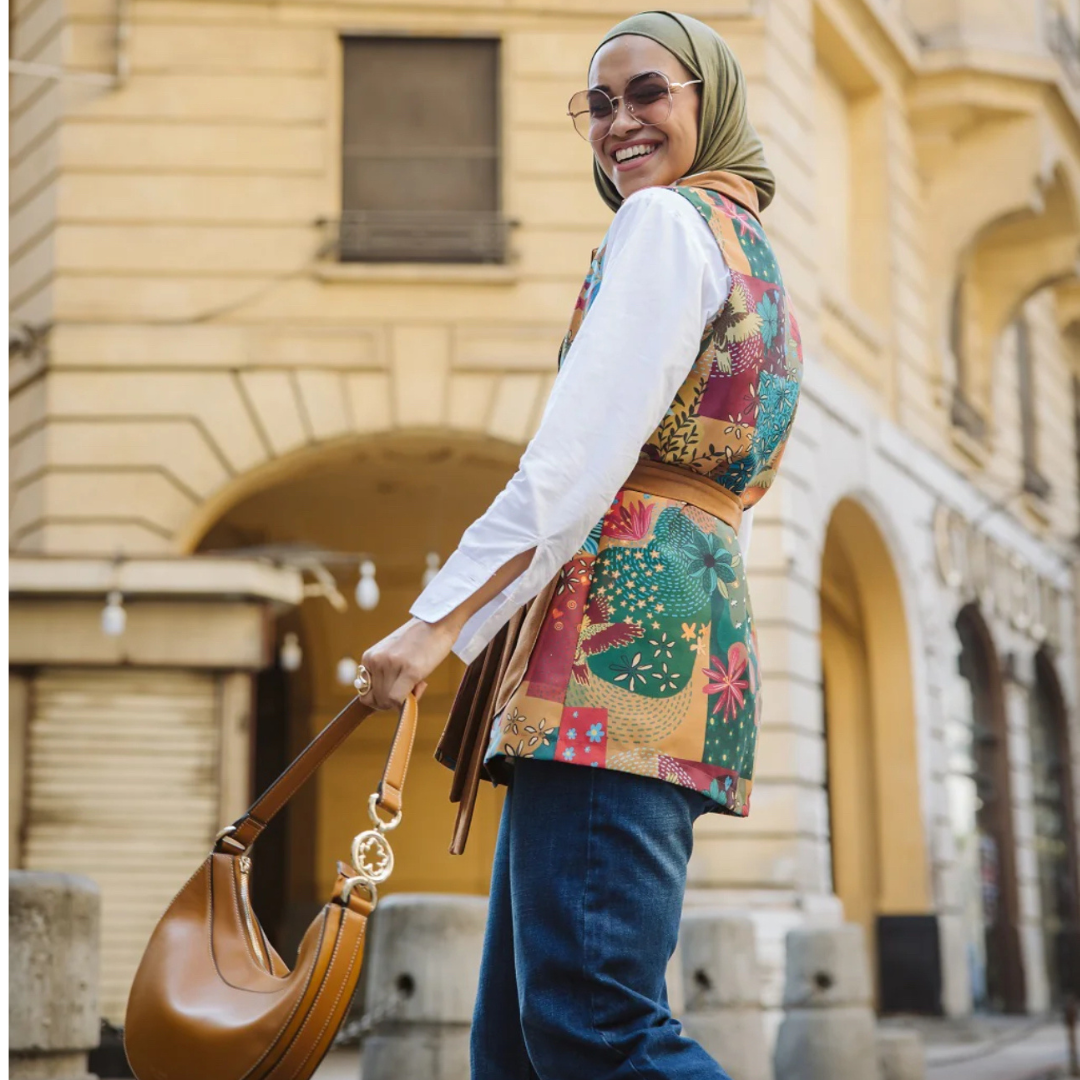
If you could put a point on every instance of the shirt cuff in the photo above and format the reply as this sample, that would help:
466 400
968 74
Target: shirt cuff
458 578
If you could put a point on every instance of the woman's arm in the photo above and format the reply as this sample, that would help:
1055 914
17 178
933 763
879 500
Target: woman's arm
664 279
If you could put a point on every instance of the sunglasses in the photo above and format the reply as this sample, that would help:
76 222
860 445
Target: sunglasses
647 98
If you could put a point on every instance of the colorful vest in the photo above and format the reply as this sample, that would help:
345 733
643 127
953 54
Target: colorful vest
646 660
733 414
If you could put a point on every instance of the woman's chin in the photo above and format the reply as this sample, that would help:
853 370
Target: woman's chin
636 181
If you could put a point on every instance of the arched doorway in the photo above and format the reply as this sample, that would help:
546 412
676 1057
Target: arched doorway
876 823
1055 833
393 498
980 808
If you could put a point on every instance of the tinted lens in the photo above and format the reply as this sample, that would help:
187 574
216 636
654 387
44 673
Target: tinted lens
591 112
648 97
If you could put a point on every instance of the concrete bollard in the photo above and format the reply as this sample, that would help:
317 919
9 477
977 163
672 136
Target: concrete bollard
722 984
53 928
422 971
901 1054
828 1031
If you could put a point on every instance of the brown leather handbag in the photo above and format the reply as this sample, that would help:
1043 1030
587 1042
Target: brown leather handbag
211 999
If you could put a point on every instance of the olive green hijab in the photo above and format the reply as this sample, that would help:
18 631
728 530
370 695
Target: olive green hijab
726 139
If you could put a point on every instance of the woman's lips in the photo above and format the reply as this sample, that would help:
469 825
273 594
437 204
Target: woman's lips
634 162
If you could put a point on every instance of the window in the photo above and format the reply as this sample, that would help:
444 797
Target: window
420 153
1034 481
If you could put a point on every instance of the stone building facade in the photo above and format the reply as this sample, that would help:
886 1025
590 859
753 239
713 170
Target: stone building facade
287 282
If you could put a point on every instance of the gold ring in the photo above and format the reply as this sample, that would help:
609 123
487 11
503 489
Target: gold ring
362 682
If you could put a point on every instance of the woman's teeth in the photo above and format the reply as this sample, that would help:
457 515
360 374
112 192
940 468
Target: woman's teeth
633 151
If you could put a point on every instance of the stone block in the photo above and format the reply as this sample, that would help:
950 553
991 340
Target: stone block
723 991
431 1053
828 1044
422 964
826 968
735 1038
53 931
901 1055
719 960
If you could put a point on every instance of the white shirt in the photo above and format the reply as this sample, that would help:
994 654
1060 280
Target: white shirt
663 280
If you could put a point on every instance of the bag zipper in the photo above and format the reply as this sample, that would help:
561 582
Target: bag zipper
249 917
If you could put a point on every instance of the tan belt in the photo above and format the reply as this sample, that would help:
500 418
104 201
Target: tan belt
675 482
491 679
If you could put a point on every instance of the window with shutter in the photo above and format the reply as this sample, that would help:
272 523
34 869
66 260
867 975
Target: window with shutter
420 152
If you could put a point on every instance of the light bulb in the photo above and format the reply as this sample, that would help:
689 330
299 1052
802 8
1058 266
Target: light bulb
432 568
367 589
113 615
291 655
346 670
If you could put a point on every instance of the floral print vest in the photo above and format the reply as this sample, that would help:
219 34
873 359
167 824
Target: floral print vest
732 416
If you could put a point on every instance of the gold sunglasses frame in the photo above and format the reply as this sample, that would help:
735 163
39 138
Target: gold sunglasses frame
617 102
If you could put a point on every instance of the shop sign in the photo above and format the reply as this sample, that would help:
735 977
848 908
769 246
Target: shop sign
1004 584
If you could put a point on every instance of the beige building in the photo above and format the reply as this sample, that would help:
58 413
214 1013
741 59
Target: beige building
287 284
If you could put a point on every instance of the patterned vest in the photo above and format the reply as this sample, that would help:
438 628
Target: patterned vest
732 416
646 659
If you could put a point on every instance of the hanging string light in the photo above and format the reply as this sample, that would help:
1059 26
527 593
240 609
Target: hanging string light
113 614
367 588
432 569
291 655
346 670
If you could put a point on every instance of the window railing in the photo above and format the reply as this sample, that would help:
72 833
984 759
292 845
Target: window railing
422 236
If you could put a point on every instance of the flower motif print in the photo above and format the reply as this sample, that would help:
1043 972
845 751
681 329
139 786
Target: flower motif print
538 734
668 679
728 682
631 522
596 733
770 319
710 563
662 644
568 753
629 670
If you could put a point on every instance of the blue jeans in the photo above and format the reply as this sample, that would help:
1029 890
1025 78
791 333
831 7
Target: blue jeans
586 897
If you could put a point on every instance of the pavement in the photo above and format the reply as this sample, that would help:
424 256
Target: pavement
999 1048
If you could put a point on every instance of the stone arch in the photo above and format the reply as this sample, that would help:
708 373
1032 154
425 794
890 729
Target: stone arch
373 450
880 863
1009 260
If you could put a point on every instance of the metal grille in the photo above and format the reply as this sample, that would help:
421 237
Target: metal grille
446 236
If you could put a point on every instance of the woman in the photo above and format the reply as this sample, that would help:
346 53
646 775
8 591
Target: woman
683 356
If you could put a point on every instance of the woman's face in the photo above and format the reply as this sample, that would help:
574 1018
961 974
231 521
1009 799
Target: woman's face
672 144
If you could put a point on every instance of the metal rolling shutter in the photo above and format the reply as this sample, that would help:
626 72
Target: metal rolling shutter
122 787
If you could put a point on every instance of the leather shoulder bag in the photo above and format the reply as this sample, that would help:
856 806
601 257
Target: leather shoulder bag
211 999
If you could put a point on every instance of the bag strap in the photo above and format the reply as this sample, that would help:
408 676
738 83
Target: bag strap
246 829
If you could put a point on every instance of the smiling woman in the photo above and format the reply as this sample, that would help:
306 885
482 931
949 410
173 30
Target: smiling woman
622 532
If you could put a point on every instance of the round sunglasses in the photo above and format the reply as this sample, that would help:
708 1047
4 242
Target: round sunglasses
647 98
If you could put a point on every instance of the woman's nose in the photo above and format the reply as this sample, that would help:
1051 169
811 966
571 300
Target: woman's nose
624 119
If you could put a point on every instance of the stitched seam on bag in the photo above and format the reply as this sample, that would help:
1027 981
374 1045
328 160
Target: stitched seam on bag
292 1012
393 747
337 999
314 1002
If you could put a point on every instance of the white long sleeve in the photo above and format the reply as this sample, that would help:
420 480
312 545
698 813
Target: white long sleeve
663 279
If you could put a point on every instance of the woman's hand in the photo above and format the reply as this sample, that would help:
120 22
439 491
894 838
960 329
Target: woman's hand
403 660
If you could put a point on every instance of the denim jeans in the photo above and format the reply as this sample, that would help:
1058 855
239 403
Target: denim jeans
586 897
